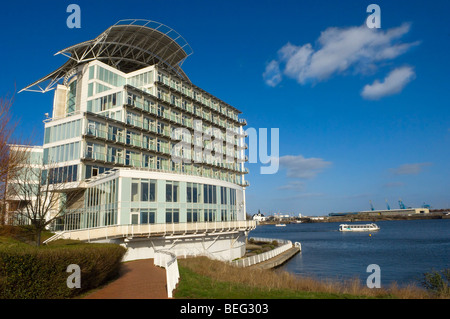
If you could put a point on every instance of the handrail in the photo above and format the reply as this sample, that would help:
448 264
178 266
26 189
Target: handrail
147 230
168 260
53 238
252 260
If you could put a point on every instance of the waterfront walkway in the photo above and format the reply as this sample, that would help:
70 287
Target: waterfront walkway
277 260
139 279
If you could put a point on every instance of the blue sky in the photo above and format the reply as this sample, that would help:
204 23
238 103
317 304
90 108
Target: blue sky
362 114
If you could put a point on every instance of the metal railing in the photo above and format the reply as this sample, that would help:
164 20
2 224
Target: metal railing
252 260
168 260
155 230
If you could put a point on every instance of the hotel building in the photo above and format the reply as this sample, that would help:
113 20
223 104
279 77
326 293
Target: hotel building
156 162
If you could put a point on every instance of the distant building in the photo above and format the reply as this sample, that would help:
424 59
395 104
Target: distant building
14 199
406 211
259 217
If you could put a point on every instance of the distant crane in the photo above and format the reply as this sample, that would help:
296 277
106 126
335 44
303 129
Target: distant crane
400 203
425 205
387 205
371 206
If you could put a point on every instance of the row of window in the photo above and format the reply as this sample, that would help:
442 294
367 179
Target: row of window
105 102
62 153
146 78
102 74
62 131
81 219
195 95
172 215
95 88
186 118
104 194
117 155
65 174
144 190
178 149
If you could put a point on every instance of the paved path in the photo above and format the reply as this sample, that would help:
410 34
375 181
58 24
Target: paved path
139 279
277 260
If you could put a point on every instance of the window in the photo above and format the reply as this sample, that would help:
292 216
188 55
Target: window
209 215
171 191
135 190
192 192
134 218
89 150
160 110
115 134
148 190
160 128
224 214
172 215
223 195
148 216
71 97
195 193
192 215
209 194
232 197
189 192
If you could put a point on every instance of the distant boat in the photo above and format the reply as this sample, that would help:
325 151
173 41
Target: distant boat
358 227
280 225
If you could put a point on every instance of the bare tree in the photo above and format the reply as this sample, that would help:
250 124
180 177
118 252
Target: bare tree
10 162
44 195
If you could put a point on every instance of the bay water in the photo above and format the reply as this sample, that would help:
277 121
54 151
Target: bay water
403 249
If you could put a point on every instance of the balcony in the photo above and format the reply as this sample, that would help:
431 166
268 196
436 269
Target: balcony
153 230
245 184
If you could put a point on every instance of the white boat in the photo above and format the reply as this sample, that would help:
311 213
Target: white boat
280 225
358 227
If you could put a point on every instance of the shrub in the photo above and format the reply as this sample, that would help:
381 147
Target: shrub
438 282
28 272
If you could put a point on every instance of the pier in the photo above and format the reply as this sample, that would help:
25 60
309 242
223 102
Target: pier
271 258
278 260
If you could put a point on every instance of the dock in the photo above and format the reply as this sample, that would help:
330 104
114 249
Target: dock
278 260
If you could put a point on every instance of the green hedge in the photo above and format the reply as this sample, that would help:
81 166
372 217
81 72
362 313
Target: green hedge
40 273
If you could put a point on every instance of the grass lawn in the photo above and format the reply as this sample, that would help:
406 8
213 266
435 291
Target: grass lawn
196 286
204 278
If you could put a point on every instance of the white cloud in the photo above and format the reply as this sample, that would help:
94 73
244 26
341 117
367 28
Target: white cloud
301 196
339 50
301 167
272 75
393 184
392 84
296 185
410 169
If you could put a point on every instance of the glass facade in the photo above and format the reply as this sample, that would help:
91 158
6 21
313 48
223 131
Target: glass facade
140 122
71 98
100 208
62 131
175 201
